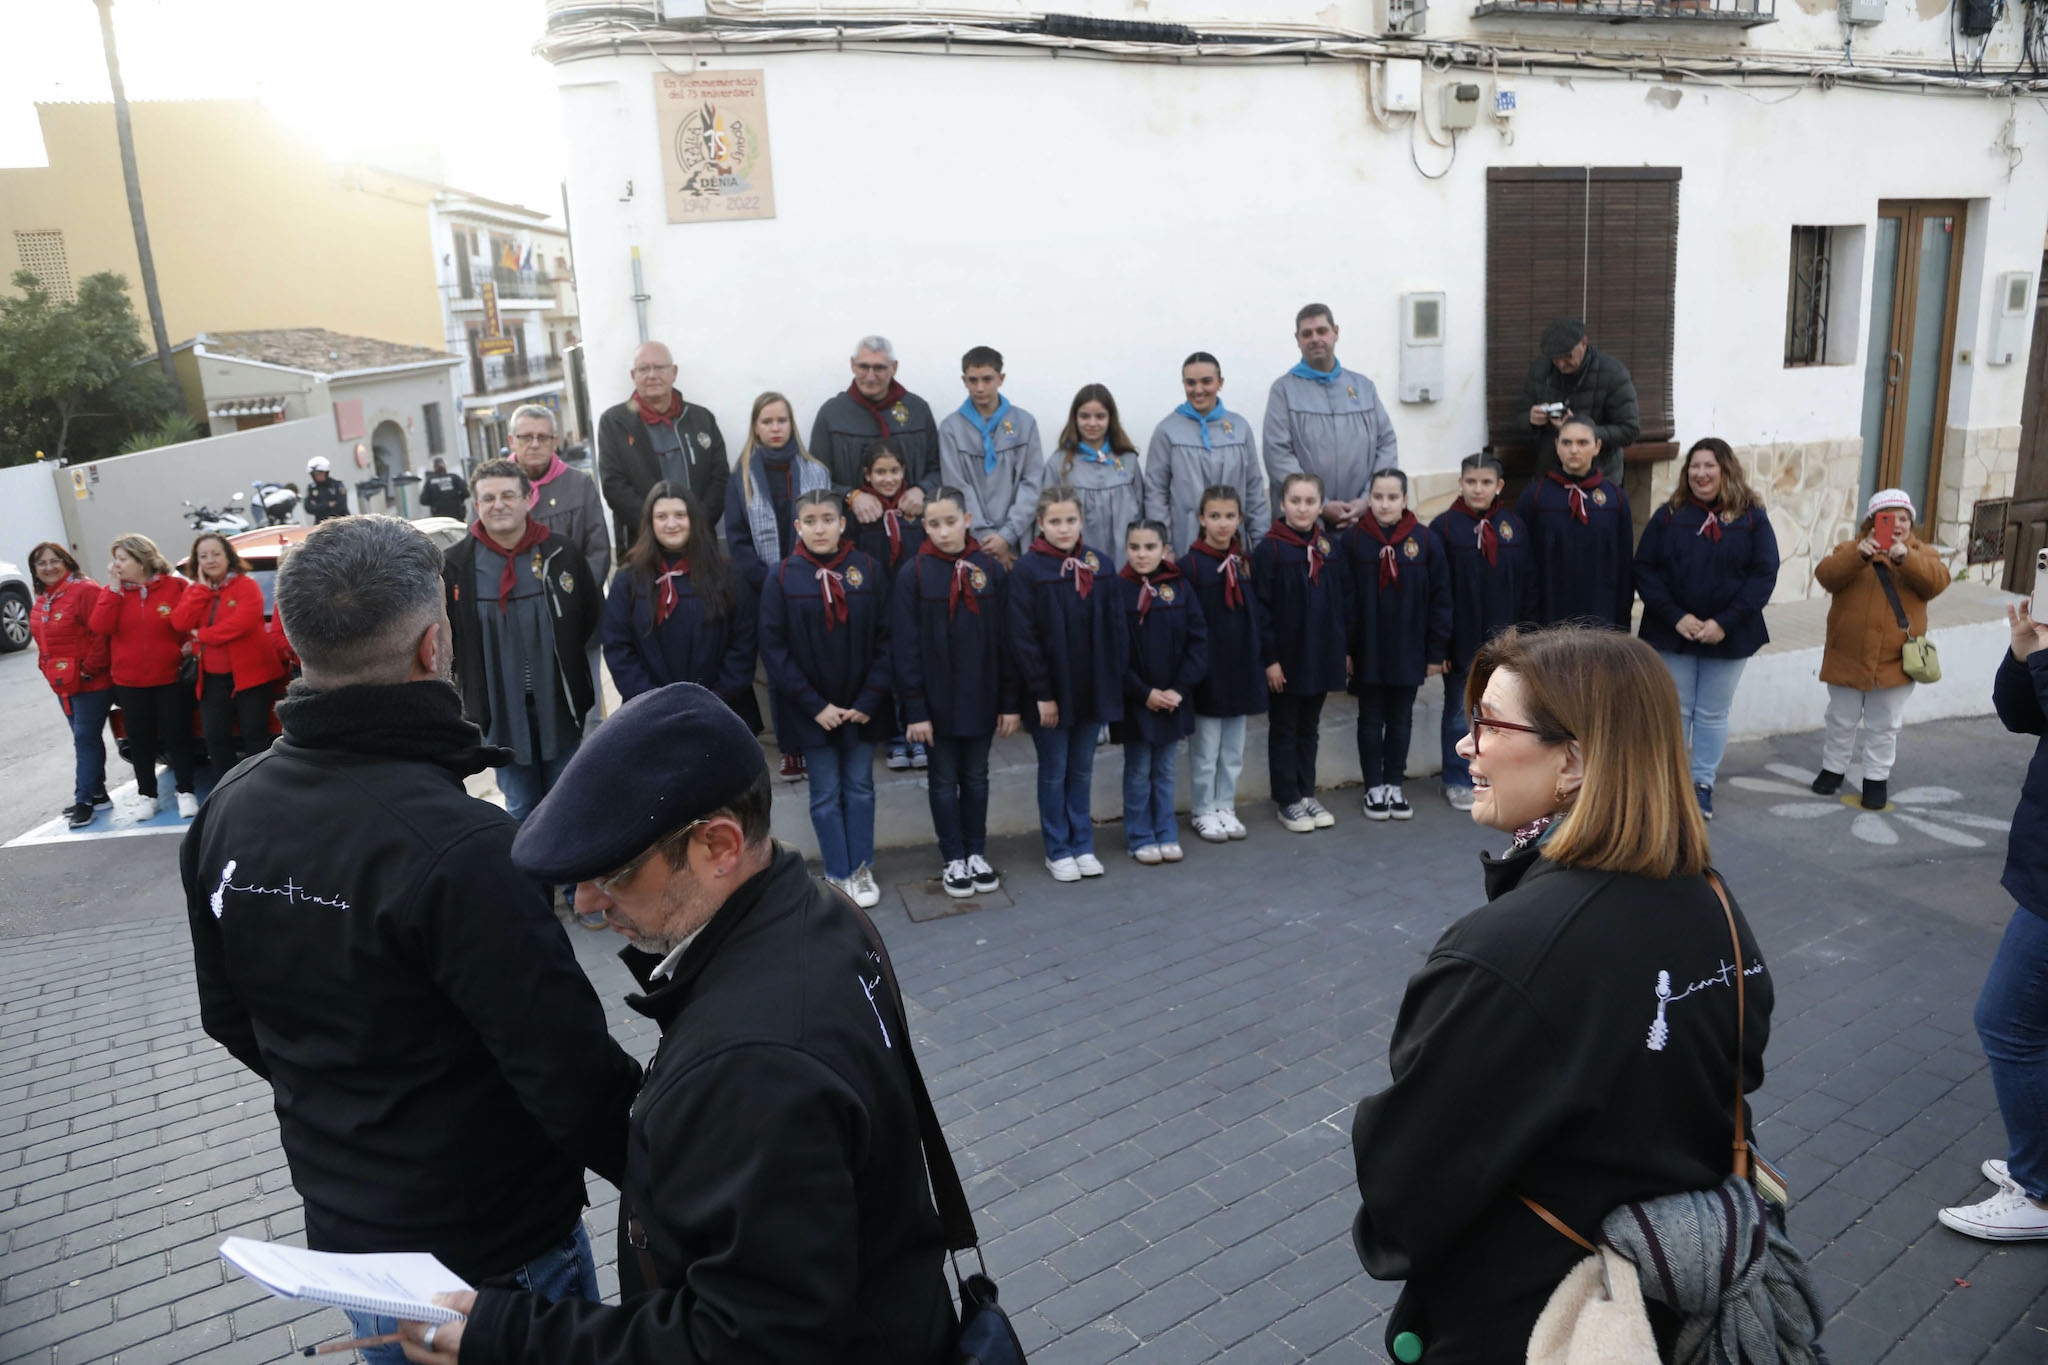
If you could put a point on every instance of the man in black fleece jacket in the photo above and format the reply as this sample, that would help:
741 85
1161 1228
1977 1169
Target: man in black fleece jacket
442 1069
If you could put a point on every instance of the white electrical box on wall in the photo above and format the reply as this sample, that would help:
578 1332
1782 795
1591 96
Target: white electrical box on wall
1402 85
1422 347
2015 313
1862 12
1461 105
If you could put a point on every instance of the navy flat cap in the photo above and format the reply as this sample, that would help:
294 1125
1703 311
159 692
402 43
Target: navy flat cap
1560 336
665 758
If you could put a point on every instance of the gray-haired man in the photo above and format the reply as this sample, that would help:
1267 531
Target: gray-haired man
873 406
362 941
565 500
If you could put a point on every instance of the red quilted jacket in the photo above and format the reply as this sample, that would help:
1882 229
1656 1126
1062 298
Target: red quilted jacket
73 657
138 620
226 623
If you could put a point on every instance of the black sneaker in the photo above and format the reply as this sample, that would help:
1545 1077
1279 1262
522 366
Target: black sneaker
1826 783
79 815
1397 804
1875 795
1705 794
958 883
102 801
1375 806
986 878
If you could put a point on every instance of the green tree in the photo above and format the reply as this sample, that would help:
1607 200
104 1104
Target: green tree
69 381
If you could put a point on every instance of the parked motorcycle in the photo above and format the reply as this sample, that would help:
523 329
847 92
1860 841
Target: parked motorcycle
277 501
228 521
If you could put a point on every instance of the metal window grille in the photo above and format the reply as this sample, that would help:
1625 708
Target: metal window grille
1806 297
42 255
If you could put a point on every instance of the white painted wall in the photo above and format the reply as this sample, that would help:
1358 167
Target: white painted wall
29 511
1098 220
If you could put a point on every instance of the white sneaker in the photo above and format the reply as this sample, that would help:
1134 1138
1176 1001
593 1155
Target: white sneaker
1063 869
866 894
1232 826
1148 855
2007 1216
1322 817
1211 829
844 887
1460 798
188 805
986 878
1089 864
1171 853
1996 1172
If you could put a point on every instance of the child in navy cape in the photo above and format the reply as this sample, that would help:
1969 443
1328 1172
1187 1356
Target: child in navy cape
1234 686
890 540
948 613
1067 642
1166 656
1583 535
676 612
1400 631
1493 586
824 638
1299 581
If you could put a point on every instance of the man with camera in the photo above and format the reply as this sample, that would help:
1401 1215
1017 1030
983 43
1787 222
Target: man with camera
1573 379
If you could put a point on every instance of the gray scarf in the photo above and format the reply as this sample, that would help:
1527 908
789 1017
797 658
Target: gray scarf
1725 1266
808 475
519 659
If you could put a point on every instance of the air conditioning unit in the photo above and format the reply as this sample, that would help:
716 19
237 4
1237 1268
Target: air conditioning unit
1862 12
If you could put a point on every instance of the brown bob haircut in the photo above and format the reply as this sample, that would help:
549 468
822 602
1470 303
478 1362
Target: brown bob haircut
1635 812
64 556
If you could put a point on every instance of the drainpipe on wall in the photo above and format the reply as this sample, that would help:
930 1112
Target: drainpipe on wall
640 296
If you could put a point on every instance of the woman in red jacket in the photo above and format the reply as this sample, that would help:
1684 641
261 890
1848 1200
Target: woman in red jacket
74 660
156 708
222 610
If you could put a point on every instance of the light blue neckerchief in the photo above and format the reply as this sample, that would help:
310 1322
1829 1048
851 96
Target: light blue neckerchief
987 428
1096 454
1303 370
1214 414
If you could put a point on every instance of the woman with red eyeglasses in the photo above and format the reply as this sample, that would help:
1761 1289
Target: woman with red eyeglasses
1573 1042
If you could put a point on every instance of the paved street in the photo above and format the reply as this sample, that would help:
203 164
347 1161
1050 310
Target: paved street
1148 1080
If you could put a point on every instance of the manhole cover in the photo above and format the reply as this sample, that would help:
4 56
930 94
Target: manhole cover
927 900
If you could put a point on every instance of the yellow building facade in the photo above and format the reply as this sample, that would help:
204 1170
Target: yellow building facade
249 230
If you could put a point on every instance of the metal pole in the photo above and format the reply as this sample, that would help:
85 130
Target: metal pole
134 180
640 296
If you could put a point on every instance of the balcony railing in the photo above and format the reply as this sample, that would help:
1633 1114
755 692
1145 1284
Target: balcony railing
512 284
515 373
1738 13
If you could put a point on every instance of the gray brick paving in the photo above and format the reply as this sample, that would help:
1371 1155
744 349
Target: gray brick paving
1148 1082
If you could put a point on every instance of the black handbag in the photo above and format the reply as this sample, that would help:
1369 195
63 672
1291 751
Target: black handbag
986 1336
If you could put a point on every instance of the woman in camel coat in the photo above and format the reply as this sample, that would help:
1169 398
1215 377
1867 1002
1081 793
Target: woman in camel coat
1861 664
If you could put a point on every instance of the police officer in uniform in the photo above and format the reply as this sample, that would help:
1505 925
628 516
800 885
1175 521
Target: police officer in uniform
326 498
775 1205
445 494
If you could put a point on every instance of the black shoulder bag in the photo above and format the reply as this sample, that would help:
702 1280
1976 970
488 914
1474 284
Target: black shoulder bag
986 1337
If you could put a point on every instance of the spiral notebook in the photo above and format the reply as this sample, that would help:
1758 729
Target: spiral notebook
399 1284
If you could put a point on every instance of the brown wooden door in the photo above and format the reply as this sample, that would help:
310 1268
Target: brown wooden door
1914 291
2026 517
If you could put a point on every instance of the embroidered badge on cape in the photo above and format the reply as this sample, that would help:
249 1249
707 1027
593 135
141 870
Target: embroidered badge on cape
1410 549
976 577
900 413
704 440
1094 564
1599 497
1165 591
567 581
854 577
1507 532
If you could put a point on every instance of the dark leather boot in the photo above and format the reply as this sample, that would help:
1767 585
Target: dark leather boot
1826 783
1874 794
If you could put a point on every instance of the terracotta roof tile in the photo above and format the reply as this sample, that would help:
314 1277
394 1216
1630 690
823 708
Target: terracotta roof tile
317 349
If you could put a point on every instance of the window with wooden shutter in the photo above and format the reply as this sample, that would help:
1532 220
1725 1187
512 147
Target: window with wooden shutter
1597 243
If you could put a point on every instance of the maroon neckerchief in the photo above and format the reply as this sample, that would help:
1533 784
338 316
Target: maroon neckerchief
666 595
1577 489
1165 573
1287 535
533 535
962 574
1231 557
650 416
1487 535
1390 565
1711 527
1084 577
892 520
895 395
830 581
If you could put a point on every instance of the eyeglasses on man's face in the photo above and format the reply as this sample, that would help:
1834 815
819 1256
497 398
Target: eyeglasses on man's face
610 884
642 371
533 438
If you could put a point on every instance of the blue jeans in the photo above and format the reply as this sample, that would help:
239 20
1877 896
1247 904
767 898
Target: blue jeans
1706 689
88 720
1386 719
565 1271
957 780
1215 762
842 774
524 784
1457 772
2012 1024
1066 769
1148 795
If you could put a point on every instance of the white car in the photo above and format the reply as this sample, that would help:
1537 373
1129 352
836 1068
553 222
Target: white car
15 597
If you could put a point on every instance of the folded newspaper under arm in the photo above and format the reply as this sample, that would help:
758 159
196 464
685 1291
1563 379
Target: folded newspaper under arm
399 1284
